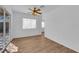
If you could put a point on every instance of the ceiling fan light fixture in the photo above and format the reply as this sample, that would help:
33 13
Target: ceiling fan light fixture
36 11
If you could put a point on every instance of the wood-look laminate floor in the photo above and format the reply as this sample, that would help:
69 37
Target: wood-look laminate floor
39 44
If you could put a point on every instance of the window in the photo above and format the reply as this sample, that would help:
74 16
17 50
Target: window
29 23
42 24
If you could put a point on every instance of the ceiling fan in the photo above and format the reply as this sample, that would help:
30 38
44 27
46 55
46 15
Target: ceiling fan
35 11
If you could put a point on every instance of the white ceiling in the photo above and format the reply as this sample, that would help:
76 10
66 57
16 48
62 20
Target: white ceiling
25 8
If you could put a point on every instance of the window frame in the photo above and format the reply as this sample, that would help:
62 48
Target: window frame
30 25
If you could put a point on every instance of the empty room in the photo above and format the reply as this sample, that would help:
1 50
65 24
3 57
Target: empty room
39 28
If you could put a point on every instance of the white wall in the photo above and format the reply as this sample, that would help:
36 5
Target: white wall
18 31
16 18
62 26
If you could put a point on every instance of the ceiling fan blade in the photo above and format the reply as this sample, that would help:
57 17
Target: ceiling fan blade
34 8
33 13
38 12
